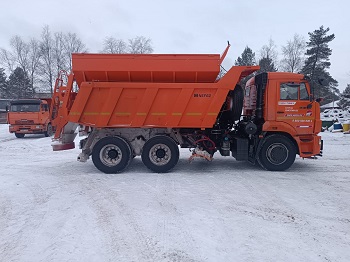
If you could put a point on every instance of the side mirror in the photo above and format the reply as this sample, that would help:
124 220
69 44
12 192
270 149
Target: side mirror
319 100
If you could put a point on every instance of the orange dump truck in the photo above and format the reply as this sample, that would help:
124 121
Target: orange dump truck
148 105
30 116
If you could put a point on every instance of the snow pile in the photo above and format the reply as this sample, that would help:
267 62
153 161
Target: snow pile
336 115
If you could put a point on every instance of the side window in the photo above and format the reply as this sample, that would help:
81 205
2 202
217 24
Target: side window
289 91
44 107
304 95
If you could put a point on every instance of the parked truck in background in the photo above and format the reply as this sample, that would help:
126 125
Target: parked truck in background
30 116
148 105
4 106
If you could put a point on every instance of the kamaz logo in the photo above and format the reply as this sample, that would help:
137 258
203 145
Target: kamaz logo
201 95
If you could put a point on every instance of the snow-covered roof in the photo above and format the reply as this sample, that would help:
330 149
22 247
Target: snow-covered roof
331 104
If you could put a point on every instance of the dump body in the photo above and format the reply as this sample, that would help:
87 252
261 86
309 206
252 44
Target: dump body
150 90
29 116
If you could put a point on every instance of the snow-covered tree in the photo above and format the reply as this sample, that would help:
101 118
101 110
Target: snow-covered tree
345 98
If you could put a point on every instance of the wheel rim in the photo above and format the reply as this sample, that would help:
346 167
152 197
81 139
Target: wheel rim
160 154
277 153
110 155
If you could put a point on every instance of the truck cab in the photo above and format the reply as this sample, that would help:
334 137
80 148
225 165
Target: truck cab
282 108
29 116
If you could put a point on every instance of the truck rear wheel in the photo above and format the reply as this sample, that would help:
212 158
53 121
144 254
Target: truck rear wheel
19 135
111 155
277 153
160 154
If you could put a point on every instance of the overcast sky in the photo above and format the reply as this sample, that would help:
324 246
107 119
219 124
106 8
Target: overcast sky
186 26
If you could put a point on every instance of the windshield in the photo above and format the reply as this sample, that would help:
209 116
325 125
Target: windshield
3 104
25 108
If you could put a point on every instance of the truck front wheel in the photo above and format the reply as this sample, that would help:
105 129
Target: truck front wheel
160 154
277 153
111 155
19 135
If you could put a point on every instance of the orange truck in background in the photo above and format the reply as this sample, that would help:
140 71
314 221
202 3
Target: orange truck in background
148 105
30 116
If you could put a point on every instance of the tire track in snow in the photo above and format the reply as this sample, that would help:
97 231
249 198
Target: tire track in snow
119 225
163 196
305 224
27 221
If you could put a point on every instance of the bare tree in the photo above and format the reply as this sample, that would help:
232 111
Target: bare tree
20 52
59 52
114 46
34 57
140 45
72 44
47 65
293 54
7 60
23 55
269 51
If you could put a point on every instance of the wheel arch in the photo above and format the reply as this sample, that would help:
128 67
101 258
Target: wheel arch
269 134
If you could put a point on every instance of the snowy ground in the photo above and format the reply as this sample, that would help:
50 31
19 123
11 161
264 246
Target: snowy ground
53 208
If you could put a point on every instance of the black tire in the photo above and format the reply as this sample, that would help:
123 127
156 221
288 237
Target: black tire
277 153
19 135
48 132
236 97
111 155
160 154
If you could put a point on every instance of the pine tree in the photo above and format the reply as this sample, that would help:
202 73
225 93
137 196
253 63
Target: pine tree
345 98
247 58
3 83
19 85
267 65
317 63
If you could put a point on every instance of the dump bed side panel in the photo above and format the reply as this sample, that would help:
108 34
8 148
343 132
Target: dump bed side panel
105 104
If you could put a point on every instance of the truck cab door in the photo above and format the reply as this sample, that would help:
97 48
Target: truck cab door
294 107
44 113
